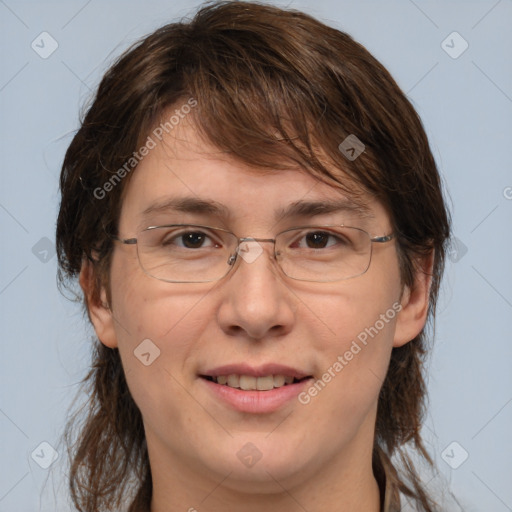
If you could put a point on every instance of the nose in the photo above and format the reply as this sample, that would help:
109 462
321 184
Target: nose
256 301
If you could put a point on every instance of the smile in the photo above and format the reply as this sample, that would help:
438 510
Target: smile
257 390
251 383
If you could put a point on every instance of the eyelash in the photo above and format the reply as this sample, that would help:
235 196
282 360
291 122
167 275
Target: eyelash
168 241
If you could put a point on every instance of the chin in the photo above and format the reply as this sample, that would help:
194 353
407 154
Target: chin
256 465
260 479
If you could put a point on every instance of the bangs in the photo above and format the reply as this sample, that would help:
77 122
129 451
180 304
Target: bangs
271 107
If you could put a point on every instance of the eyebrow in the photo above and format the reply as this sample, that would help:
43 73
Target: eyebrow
296 209
187 205
324 207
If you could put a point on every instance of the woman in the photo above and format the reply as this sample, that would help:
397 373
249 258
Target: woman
257 224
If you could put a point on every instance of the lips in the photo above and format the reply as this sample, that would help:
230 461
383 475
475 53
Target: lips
262 389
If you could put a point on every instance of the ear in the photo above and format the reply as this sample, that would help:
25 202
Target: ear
414 301
98 308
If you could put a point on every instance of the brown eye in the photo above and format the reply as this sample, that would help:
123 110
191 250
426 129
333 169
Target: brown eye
187 240
193 240
317 240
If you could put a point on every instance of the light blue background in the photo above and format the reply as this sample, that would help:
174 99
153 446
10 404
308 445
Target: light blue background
466 107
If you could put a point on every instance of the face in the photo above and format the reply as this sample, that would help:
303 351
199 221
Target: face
336 336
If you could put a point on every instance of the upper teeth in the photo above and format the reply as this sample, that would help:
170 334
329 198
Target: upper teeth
248 382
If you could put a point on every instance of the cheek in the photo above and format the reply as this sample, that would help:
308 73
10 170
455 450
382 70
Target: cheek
147 308
157 329
353 330
358 339
361 309
168 329
353 366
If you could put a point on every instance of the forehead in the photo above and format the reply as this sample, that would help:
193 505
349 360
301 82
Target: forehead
185 174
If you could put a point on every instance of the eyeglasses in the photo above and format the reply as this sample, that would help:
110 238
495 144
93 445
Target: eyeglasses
190 253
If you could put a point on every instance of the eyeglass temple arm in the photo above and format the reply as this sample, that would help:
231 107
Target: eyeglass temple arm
382 239
128 241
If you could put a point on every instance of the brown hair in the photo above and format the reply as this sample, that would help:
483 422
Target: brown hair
277 89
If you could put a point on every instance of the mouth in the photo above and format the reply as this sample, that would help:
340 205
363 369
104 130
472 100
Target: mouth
261 390
252 383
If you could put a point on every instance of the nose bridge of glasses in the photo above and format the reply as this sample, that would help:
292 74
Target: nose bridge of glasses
249 249
257 240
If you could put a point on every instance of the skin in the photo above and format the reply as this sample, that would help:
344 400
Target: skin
315 457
